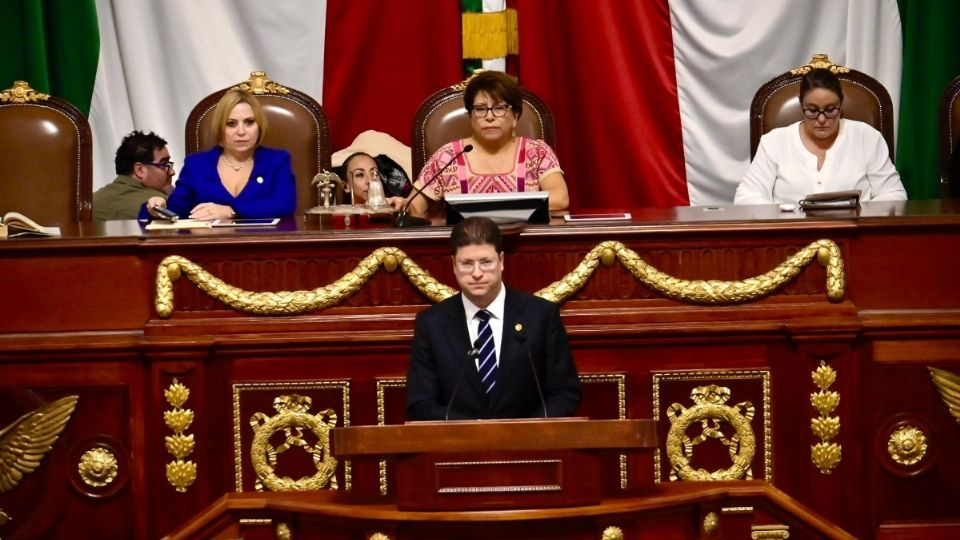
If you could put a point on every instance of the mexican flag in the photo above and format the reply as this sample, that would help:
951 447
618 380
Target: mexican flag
651 98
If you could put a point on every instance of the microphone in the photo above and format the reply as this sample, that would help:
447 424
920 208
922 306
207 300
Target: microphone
404 219
472 355
533 369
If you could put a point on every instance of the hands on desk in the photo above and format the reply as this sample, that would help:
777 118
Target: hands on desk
203 211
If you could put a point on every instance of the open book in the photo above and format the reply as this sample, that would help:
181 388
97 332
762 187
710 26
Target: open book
16 225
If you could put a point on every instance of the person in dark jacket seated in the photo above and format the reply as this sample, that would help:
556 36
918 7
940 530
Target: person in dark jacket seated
239 177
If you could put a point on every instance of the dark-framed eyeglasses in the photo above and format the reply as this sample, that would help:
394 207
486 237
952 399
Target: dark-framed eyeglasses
499 111
165 165
813 113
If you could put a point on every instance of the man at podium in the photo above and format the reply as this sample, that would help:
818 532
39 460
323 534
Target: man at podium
490 351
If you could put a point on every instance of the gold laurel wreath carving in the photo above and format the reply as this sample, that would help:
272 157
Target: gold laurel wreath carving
826 252
292 420
710 411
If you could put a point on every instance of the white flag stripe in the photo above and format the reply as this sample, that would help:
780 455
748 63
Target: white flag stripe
159 59
724 52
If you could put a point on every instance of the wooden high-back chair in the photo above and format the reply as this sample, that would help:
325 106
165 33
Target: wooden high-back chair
47 157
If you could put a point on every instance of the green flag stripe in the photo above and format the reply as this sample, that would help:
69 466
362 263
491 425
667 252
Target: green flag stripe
59 46
931 59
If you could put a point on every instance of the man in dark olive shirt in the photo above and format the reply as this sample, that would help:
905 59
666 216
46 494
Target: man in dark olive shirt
144 170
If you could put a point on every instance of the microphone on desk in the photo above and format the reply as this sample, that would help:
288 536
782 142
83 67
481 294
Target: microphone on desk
522 339
472 355
404 219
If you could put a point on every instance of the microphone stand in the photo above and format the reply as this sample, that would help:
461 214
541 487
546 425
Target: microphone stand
404 219
472 355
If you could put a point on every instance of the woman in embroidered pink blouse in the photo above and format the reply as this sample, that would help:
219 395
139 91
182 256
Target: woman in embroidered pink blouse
500 160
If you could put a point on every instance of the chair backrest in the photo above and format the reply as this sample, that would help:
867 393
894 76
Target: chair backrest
47 157
297 123
442 118
949 137
776 103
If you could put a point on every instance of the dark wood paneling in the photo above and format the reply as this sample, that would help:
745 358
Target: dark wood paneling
81 320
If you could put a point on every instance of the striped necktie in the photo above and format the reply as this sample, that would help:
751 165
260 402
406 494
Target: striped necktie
488 353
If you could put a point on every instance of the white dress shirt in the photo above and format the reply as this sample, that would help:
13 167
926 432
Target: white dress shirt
784 171
496 320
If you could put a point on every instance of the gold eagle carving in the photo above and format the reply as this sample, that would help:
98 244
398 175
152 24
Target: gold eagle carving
24 442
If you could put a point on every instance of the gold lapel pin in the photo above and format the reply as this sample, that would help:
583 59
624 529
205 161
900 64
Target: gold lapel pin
518 327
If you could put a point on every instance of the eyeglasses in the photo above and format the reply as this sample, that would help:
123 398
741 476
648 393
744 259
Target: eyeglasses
166 165
485 265
499 111
813 113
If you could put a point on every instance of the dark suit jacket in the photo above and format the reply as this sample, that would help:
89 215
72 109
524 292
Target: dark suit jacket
271 191
439 353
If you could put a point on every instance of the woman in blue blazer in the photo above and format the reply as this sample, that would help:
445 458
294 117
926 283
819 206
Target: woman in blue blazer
239 178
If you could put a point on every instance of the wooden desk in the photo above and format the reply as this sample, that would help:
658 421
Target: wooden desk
79 318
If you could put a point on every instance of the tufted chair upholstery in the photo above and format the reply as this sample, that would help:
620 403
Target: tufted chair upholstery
949 137
297 123
864 99
442 118
47 157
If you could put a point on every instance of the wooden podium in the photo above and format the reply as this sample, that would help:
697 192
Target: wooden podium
490 464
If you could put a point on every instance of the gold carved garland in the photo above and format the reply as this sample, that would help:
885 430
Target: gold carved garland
826 252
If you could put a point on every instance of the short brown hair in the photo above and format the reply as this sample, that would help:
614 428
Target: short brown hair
225 106
476 230
496 84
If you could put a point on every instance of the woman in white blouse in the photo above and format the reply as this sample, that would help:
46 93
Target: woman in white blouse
822 152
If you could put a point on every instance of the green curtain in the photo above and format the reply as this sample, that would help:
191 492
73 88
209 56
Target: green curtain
931 59
53 45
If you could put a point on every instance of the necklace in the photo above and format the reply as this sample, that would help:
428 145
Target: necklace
235 166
